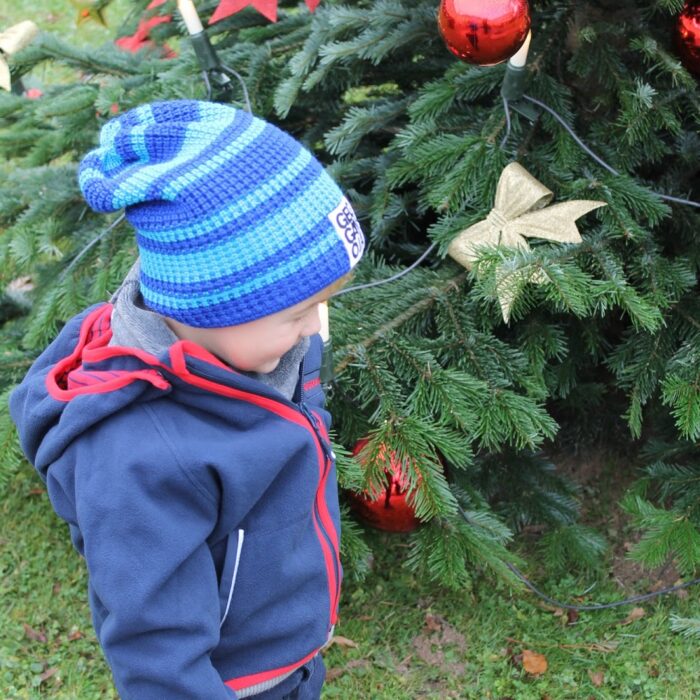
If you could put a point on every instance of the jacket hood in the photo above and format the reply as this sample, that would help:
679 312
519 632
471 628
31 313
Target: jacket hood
77 382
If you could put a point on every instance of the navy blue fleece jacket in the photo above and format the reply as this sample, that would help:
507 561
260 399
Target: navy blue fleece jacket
204 503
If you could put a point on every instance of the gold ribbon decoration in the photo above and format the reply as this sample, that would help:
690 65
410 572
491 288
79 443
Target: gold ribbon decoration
13 40
520 211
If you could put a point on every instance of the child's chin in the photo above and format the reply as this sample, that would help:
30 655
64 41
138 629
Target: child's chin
267 367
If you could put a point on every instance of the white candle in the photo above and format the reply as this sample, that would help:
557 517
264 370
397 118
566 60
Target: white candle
519 59
325 324
190 16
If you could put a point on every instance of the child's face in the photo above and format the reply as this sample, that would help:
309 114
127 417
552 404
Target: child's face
257 346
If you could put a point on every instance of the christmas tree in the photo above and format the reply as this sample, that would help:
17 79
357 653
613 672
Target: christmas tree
461 378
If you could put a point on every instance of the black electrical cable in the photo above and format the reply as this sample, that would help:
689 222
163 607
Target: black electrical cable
592 606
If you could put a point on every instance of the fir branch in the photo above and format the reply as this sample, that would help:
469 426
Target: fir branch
667 533
351 352
687 626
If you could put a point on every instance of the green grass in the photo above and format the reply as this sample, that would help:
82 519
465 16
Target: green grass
413 639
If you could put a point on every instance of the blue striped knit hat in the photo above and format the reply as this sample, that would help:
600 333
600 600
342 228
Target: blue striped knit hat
234 218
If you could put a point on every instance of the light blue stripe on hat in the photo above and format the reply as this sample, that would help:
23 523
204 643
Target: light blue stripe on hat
87 175
111 161
236 209
137 140
135 186
175 186
275 274
244 248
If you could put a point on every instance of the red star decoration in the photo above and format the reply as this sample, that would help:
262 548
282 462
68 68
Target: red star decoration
141 37
267 8
226 8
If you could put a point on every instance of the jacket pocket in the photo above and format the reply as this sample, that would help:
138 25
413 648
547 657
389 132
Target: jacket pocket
229 573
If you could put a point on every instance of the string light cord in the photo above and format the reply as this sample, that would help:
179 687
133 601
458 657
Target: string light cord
423 256
584 147
92 243
506 110
228 71
599 606
593 606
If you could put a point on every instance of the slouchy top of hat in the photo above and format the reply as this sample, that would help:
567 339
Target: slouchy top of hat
234 218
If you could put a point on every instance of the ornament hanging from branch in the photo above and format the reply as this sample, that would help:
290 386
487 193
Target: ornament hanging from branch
687 36
267 8
520 211
388 508
484 32
13 40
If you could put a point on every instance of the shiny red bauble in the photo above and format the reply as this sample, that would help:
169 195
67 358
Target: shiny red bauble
484 32
389 509
687 36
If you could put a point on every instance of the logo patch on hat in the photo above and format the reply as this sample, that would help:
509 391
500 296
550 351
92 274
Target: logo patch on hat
348 228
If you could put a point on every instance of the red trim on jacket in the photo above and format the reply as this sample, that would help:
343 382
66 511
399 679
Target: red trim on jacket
328 521
67 378
312 383
255 678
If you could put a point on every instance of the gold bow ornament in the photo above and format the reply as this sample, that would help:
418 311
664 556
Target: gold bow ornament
13 40
520 210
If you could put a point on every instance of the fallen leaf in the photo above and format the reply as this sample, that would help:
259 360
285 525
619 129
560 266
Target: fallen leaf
48 673
572 616
342 642
433 623
634 615
534 663
681 592
34 635
74 635
597 678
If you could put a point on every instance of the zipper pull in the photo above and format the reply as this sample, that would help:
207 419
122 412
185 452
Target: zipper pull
327 451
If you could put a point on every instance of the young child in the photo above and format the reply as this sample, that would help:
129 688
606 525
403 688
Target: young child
180 429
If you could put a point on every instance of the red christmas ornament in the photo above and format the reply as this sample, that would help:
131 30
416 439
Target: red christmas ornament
389 509
687 36
484 32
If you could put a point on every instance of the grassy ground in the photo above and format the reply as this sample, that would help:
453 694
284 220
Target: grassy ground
400 638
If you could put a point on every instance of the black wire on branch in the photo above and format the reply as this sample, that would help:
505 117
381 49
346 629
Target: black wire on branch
593 606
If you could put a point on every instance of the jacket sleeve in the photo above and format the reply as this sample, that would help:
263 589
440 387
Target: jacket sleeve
145 520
